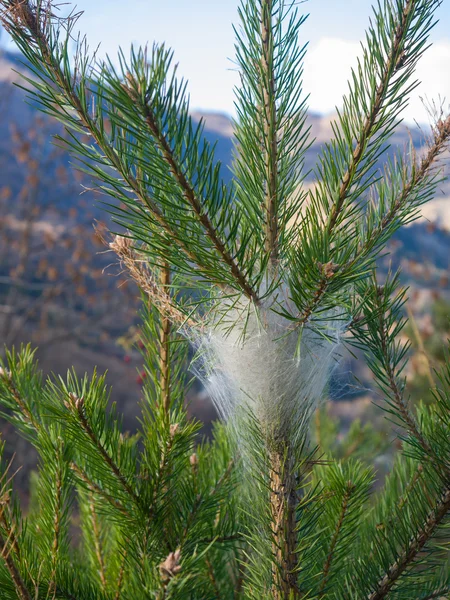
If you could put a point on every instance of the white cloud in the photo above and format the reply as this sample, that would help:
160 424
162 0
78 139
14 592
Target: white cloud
327 70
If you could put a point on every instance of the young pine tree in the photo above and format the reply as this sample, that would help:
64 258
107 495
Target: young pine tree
264 278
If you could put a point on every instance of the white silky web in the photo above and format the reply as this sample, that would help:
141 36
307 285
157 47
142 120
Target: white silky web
264 365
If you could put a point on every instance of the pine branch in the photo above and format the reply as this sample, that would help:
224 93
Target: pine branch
96 489
416 544
334 540
269 117
21 17
283 503
440 594
371 119
391 373
164 341
120 580
196 203
19 401
418 177
271 132
334 220
386 355
78 405
7 547
212 578
97 541
52 588
416 188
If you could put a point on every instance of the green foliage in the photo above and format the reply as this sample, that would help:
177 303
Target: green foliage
263 510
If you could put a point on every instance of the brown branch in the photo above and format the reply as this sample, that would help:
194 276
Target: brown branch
140 273
344 508
305 315
327 272
416 545
283 505
380 94
269 115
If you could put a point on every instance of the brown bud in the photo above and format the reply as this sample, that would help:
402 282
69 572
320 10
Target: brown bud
193 459
5 374
328 269
401 60
170 566
174 429
78 403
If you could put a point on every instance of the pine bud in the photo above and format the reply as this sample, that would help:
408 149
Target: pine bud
328 269
171 566
174 429
5 374
75 401
193 459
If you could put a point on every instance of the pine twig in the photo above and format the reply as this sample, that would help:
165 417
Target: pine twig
283 505
52 588
78 404
418 175
97 542
6 548
93 487
370 122
417 543
269 114
23 17
193 200
397 393
26 412
212 578
120 578
164 342
334 540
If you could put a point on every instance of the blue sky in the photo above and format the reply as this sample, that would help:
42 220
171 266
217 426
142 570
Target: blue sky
200 32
